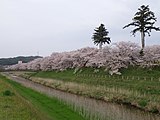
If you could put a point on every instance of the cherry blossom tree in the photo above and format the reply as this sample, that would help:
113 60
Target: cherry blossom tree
113 58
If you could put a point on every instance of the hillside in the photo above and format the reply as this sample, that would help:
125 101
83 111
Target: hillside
14 60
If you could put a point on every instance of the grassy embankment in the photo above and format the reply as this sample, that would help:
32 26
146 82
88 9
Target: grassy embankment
14 108
136 86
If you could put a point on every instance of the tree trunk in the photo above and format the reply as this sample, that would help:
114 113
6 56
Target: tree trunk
100 45
142 39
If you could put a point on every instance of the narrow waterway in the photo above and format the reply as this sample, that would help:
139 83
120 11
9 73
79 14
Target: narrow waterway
92 107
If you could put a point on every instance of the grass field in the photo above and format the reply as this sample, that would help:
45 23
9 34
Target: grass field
136 86
141 80
48 108
13 106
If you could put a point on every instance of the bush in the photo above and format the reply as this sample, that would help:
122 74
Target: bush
8 93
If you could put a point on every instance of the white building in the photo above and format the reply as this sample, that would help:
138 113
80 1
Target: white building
19 62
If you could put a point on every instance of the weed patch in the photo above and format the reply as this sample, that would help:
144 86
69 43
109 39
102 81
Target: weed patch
8 93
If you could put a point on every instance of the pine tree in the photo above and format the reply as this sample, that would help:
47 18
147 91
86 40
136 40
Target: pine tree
143 22
100 36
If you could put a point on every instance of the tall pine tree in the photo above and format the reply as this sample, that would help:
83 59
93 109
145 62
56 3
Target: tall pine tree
143 22
100 36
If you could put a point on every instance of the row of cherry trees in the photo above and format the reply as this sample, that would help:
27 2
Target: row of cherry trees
119 55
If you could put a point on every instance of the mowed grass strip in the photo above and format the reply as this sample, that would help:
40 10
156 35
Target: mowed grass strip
12 106
51 107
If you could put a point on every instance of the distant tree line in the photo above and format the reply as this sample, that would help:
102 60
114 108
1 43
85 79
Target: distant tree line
14 60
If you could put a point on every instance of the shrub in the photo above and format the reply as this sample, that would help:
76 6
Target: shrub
8 93
143 103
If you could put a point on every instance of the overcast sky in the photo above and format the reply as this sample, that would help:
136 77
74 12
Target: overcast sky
32 27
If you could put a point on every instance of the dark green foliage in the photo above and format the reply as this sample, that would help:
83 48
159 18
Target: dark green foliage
143 22
12 61
8 93
100 36
142 103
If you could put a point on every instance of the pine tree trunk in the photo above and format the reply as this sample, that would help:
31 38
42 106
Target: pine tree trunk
100 45
142 39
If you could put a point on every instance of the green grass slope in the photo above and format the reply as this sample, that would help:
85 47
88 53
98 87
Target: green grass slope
49 107
13 106
136 86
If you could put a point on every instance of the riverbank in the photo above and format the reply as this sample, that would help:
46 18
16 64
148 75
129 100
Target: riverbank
48 108
135 87
91 109
13 106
